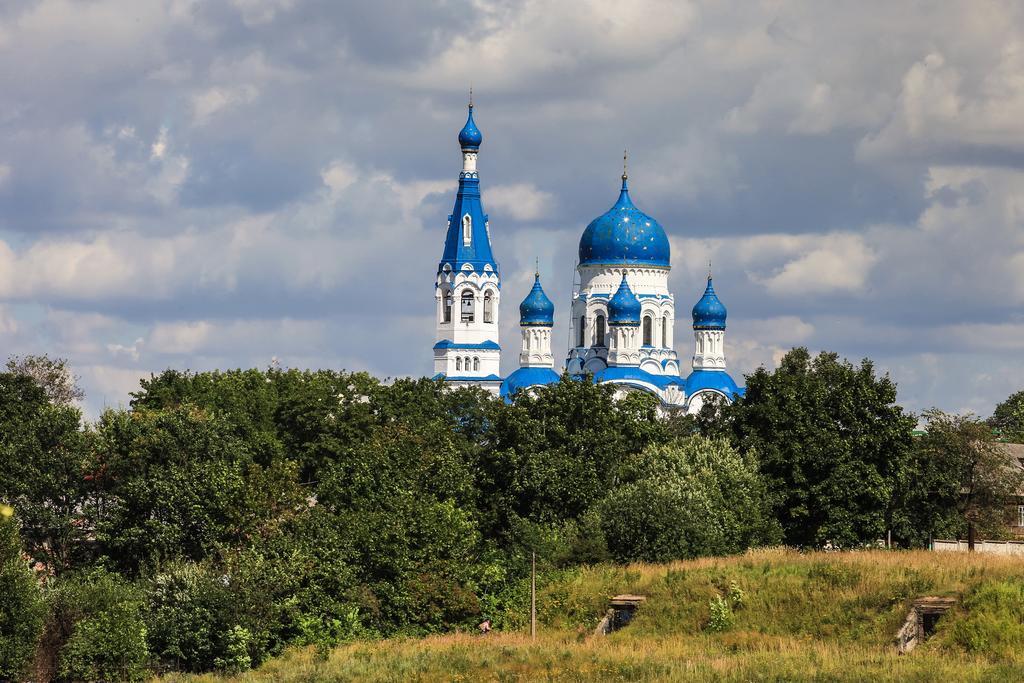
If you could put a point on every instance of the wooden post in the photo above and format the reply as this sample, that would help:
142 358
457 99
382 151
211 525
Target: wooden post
533 597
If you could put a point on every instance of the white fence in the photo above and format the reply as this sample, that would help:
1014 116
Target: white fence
994 547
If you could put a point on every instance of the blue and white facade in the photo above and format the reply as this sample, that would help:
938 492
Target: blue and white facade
622 322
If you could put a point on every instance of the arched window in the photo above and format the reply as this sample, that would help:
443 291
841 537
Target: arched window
468 304
488 308
467 229
648 331
664 331
476 363
583 330
447 304
599 337
458 363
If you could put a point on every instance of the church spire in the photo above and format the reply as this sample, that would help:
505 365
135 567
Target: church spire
468 287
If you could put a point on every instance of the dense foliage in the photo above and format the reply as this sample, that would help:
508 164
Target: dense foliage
833 446
963 482
682 500
226 515
21 605
1008 418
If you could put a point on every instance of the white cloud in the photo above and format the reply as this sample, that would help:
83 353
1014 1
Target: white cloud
537 38
218 98
338 176
221 337
159 146
522 201
941 107
825 264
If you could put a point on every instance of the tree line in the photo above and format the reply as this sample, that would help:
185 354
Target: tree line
224 516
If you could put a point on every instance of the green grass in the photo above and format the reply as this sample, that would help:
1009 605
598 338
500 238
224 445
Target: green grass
804 617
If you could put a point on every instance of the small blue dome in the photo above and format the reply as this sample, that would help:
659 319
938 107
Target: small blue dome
624 235
624 307
709 312
470 136
524 378
713 380
537 309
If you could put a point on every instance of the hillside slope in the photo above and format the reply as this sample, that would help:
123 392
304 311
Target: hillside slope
796 617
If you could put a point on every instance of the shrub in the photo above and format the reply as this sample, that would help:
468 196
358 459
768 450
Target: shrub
695 497
21 605
100 614
994 621
737 598
236 651
721 615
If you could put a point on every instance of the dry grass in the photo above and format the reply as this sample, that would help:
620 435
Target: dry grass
805 617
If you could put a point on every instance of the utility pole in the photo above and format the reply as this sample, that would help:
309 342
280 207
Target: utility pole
533 597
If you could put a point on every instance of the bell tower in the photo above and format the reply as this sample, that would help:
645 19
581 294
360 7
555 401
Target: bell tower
467 288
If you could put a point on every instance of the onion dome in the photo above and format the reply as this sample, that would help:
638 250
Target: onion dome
525 378
624 235
537 309
624 307
713 380
709 312
470 136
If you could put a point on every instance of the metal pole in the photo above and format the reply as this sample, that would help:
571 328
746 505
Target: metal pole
533 598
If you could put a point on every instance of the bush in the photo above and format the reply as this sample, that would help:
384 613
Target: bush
236 651
721 615
695 497
994 621
96 619
21 605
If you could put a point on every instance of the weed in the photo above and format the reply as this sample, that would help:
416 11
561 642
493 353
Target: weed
722 618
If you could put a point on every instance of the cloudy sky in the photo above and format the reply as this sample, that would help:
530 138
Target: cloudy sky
216 184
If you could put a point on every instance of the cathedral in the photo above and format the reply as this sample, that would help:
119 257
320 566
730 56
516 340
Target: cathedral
622 316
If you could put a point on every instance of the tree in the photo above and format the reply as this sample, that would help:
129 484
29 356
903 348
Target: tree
53 375
178 483
96 630
42 454
21 603
832 444
961 477
556 450
694 497
1008 418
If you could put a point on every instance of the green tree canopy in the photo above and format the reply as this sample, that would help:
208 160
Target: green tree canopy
21 604
1008 418
961 480
42 469
832 444
694 497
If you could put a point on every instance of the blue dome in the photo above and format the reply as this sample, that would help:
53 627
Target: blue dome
624 235
524 378
624 307
709 312
537 309
713 380
470 136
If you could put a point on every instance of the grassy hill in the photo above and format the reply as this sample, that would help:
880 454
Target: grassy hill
797 617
